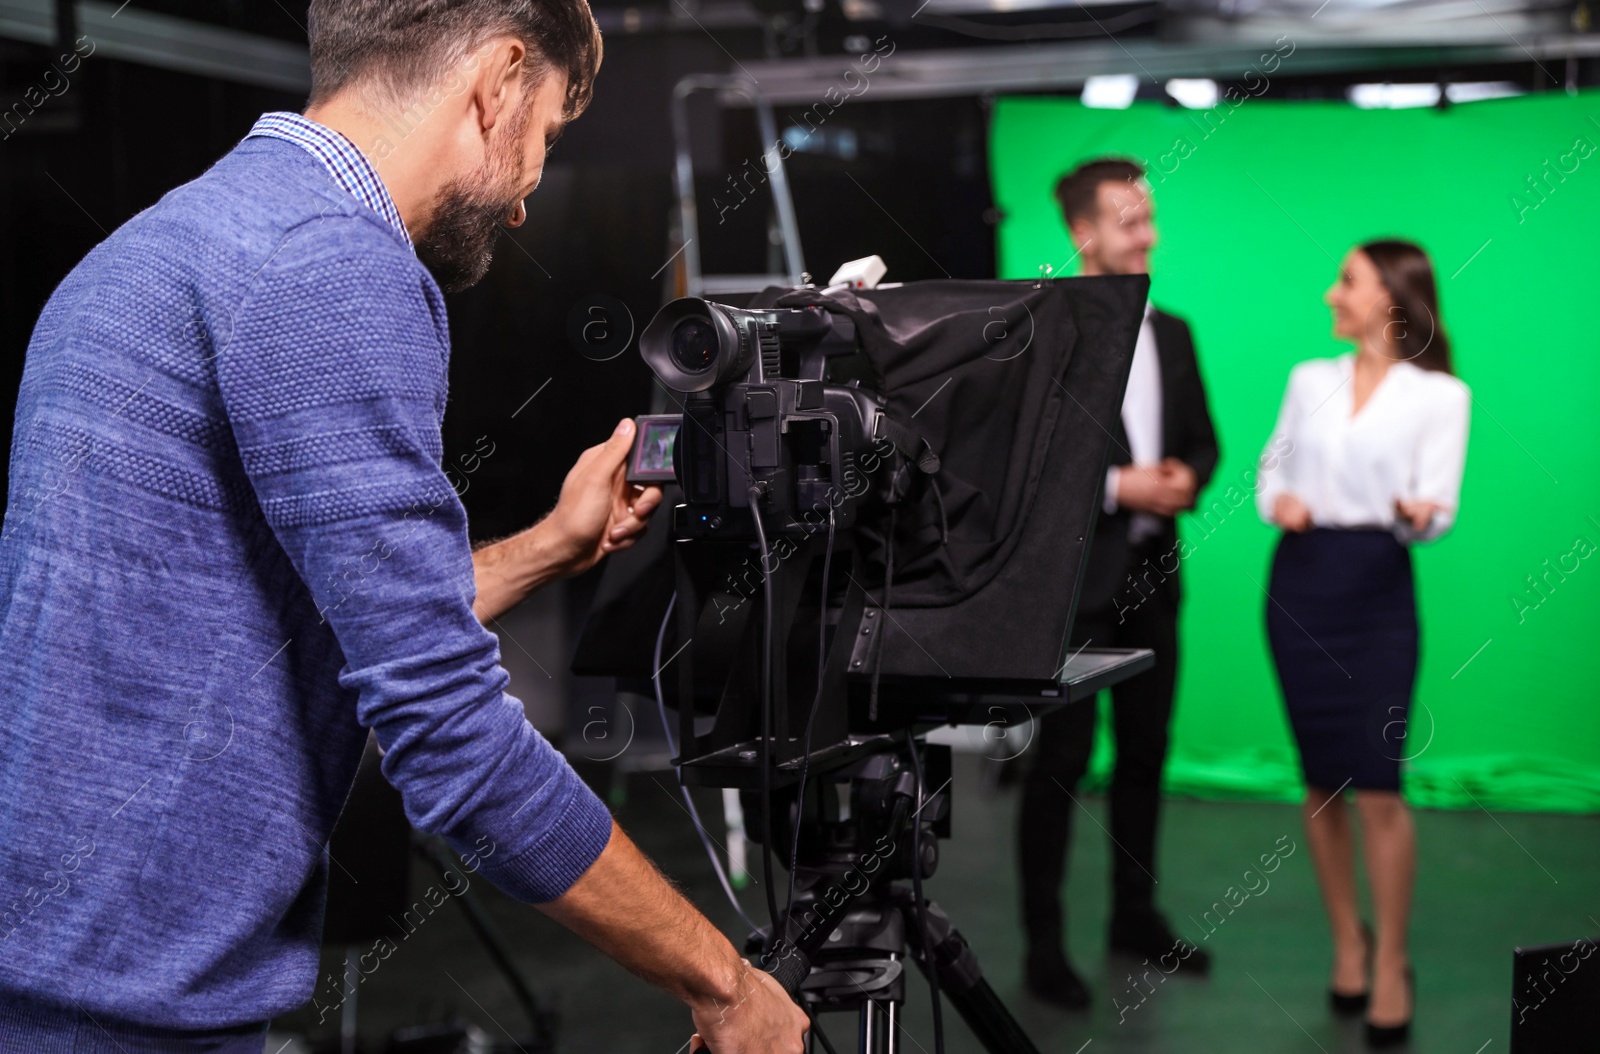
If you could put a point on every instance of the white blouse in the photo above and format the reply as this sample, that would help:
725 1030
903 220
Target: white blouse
1409 441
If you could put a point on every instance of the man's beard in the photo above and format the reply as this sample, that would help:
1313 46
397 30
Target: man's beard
458 243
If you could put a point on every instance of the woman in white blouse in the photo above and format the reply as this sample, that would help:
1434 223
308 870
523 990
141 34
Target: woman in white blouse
1365 460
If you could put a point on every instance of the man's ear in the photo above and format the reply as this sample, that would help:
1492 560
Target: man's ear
499 79
1081 231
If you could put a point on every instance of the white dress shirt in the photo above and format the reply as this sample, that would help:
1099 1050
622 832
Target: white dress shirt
1141 419
1408 441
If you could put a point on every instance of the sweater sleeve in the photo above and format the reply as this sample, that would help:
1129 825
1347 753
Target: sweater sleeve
333 374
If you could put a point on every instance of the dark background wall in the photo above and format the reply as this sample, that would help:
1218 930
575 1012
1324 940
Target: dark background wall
125 134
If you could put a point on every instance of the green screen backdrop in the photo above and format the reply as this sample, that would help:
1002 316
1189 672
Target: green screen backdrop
1256 202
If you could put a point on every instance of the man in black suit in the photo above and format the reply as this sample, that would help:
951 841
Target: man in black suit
1163 451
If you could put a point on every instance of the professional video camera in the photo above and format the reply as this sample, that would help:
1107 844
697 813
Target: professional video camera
881 501
761 420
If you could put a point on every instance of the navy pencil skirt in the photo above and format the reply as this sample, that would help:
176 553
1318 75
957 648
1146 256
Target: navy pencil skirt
1342 624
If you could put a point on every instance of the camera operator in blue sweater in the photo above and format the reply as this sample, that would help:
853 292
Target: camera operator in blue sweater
230 550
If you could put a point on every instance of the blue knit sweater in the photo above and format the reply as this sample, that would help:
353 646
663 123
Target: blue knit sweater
229 550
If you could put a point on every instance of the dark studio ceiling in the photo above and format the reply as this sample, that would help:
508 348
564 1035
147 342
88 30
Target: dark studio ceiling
793 48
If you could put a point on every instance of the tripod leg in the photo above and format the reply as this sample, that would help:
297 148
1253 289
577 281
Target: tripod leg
990 1021
347 1013
738 875
961 981
878 1027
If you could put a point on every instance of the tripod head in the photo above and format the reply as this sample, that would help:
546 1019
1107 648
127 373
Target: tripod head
855 921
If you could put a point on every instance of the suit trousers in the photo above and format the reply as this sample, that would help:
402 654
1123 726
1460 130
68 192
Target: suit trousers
1141 708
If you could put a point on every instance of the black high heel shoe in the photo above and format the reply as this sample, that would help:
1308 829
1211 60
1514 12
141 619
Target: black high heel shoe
1350 1004
1346 1005
1381 1036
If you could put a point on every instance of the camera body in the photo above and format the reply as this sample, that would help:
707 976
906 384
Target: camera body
765 416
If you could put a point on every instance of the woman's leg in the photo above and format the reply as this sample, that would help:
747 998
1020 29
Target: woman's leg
1389 842
1332 852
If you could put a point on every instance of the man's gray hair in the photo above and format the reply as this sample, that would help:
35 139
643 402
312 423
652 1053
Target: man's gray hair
396 47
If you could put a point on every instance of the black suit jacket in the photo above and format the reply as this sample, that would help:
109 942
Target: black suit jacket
1186 434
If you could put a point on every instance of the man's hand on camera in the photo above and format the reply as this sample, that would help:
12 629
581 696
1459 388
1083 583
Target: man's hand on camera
599 512
761 1018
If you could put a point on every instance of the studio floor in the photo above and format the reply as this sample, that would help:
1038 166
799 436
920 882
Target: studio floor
1486 883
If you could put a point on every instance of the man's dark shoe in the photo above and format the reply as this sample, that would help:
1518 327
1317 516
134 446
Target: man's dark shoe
1056 982
1147 935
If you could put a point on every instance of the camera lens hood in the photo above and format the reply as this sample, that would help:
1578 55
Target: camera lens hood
693 345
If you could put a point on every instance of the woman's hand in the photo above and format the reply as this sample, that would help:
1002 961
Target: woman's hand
1417 514
1290 513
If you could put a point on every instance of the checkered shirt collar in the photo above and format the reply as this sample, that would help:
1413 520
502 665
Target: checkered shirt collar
347 165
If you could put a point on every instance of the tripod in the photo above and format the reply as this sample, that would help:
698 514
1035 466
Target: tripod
851 803
842 782
855 921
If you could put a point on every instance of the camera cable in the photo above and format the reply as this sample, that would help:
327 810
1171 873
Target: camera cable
700 828
916 828
816 704
778 926
688 799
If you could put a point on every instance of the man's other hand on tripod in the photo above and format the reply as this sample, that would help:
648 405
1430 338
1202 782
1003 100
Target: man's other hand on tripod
599 512
625 908
761 1017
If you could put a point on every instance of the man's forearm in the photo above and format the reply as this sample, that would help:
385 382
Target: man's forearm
627 909
506 571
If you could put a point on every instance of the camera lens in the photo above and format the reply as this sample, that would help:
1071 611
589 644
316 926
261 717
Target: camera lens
694 345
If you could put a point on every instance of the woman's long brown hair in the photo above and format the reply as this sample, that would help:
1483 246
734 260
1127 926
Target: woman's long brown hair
1415 325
